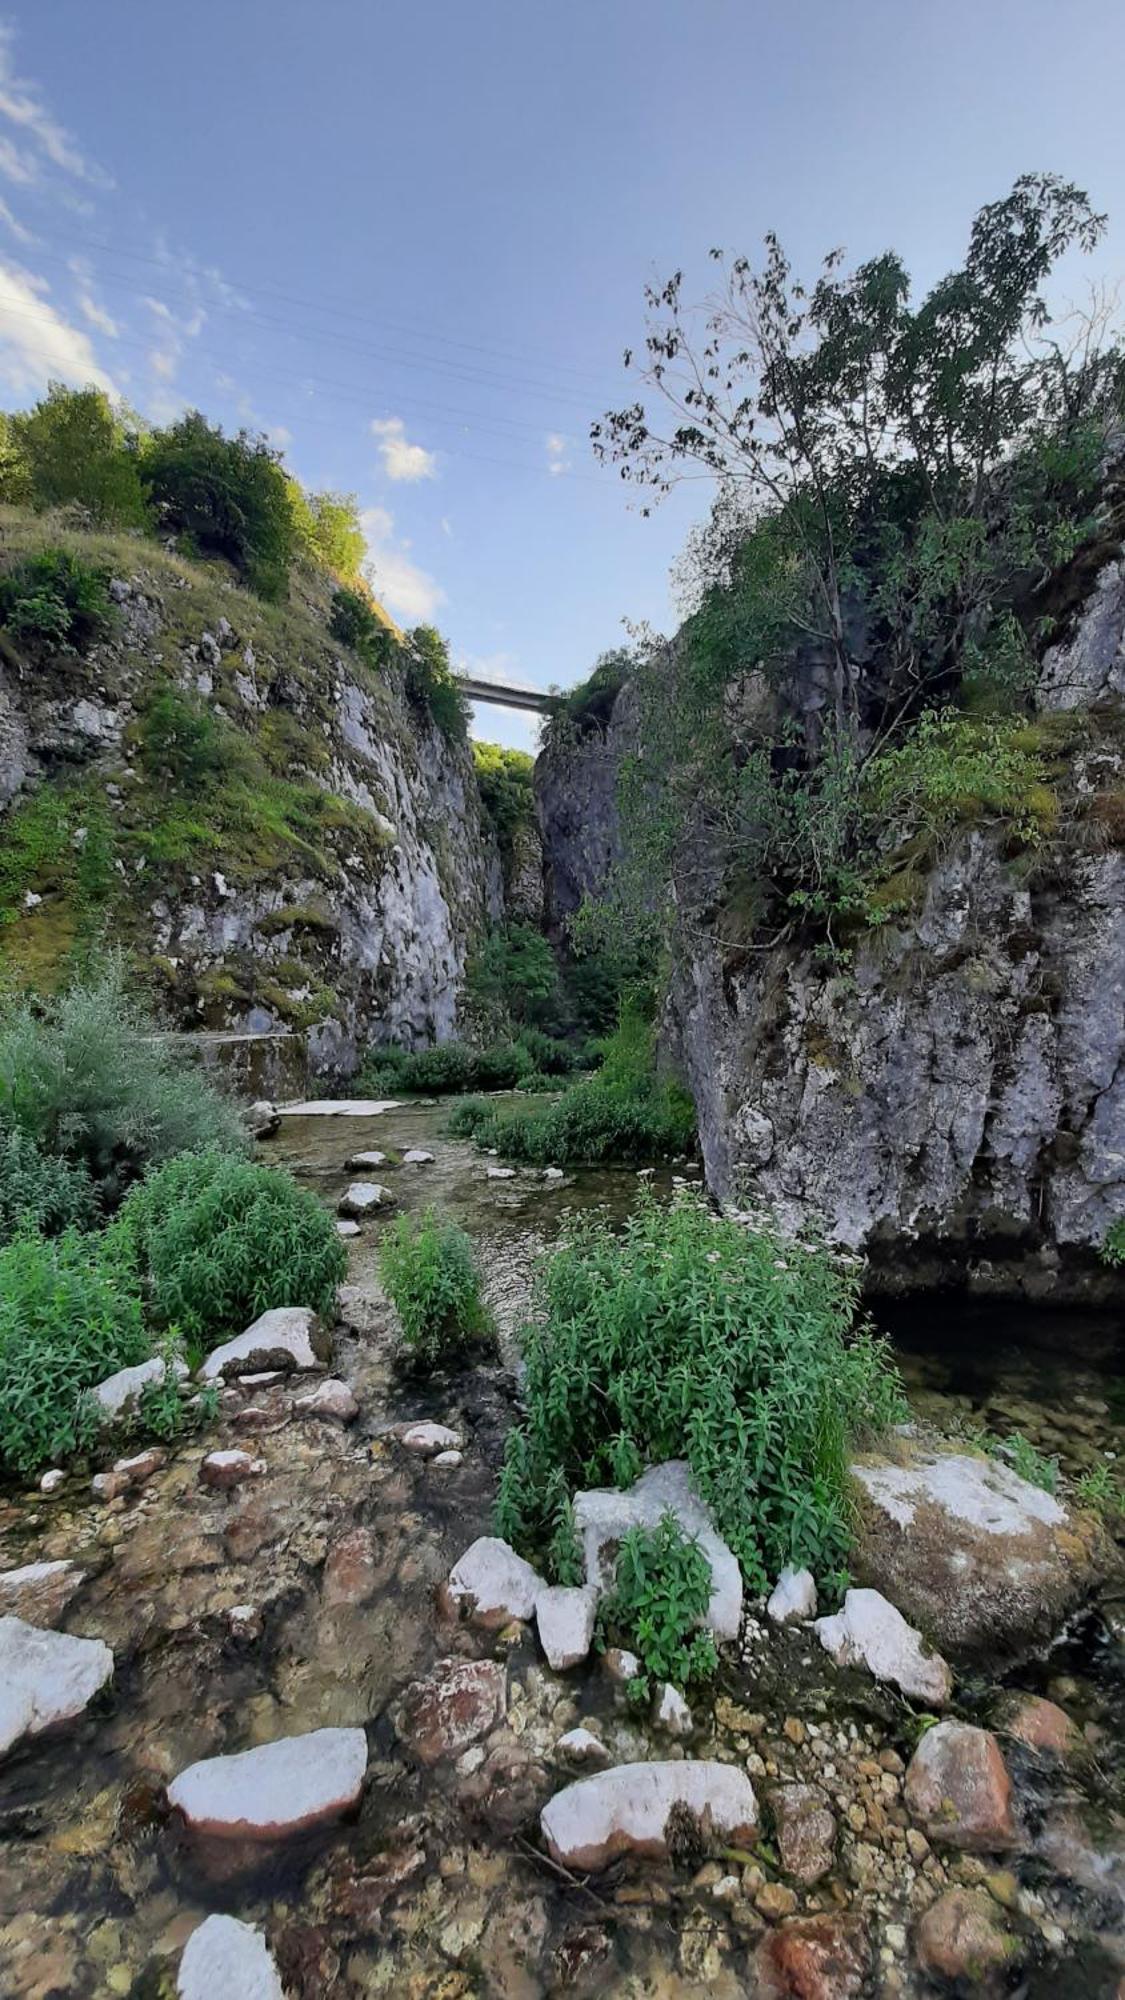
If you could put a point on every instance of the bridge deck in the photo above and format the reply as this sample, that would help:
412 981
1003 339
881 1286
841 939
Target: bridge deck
502 696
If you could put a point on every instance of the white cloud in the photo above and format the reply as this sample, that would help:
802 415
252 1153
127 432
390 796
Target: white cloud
410 593
401 459
447 526
13 223
98 316
162 361
16 166
279 435
557 460
37 345
23 107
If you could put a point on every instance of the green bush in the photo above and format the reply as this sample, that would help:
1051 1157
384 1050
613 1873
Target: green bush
75 450
427 1267
69 1316
182 743
551 1056
689 1335
55 600
38 1192
353 622
504 780
661 1591
86 1081
226 496
431 683
449 1068
1113 1247
217 1240
327 530
514 973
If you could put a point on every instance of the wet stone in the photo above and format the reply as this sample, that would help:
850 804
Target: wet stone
963 1937
491 1584
276 1790
806 1832
352 1570
425 1440
1040 1725
627 1811
46 1679
223 1470
582 1749
288 1337
869 1632
814 1958
957 1786
457 1704
227 1958
364 1198
331 1400
40 1592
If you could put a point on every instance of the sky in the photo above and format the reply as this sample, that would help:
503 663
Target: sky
408 239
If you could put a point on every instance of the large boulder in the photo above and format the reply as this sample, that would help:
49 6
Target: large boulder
604 1516
980 1559
46 1679
869 1632
289 1337
634 1810
275 1790
120 1393
226 1958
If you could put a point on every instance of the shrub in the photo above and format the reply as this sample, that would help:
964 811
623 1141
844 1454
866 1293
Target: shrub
427 1267
551 1056
1113 1246
40 1193
55 600
451 1067
514 973
431 683
504 780
662 1587
183 743
327 530
218 1240
86 1080
354 622
76 451
689 1335
227 496
69 1316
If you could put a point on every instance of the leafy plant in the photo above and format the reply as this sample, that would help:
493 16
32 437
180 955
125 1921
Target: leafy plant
688 1335
183 744
41 1192
165 1410
1113 1246
327 530
55 600
514 972
226 496
354 622
431 683
217 1240
427 1267
75 449
661 1590
69 1316
504 780
1030 1463
450 1067
1101 1488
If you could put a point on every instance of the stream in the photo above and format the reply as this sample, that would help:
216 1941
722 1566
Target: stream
434 1892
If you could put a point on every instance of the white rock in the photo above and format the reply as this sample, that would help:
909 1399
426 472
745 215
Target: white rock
794 1597
553 1174
268 1378
625 1811
869 1632
52 1480
603 1516
363 1198
501 1173
345 1227
671 1713
448 1458
417 1157
244 1621
360 1163
332 1400
46 1678
621 1665
582 1748
339 1107
565 1618
493 1583
275 1790
117 1392
40 1591
224 1469
287 1337
227 1960
428 1439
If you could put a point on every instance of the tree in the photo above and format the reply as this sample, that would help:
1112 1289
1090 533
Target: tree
77 450
327 530
228 496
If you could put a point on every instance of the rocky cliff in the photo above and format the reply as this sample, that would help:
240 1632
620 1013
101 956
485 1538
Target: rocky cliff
277 836
951 1101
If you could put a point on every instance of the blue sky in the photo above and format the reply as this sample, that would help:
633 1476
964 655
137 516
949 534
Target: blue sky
410 239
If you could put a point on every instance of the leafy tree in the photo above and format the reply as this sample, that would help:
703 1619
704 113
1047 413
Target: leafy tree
227 496
74 448
514 970
15 473
355 623
327 530
431 682
504 780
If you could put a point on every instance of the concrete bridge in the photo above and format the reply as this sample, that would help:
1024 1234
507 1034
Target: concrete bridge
503 694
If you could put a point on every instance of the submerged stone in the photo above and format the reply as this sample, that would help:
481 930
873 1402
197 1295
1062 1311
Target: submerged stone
634 1810
46 1679
869 1632
227 1960
806 1832
457 1704
963 1936
276 1790
603 1516
814 1958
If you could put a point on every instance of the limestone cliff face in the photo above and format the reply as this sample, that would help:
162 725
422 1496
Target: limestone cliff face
953 1102
335 886
576 803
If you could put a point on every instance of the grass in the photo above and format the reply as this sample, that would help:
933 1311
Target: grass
692 1336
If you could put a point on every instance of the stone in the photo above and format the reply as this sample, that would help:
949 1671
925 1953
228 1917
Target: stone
775 1900
244 1621
417 1157
978 1557
627 1810
491 1584
963 1937
670 1712
824 1957
227 1960
360 1163
351 1569
1087 1847
603 1516
793 1600
869 1632
426 1440
120 1392
583 1749
275 1790
39 1592
500 1173
46 1679
288 1337
363 1198
347 1229
621 1665
52 1480
262 1119
958 1788
448 1459
806 1832
565 1618
127 1474
226 1469
331 1400
554 1174
339 1107
457 1704
1039 1725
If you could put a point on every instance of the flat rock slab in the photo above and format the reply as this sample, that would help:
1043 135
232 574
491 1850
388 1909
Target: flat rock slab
339 1107
459 1702
276 1790
604 1516
46 1679
417 1157
40 1592
979 1558
365 1163
869 1632
226 1960
627 1810
565 1619
120 1392
289 1337
492 1584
